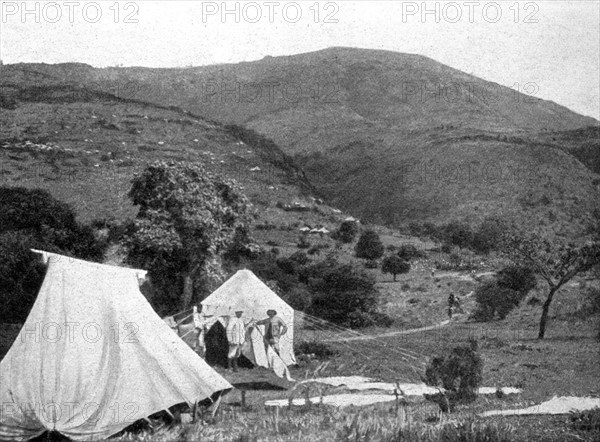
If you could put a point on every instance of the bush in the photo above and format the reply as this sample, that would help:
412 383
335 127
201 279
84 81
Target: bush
395 265
303 243
317 349
458 234
592 300
495 300
300 258
520 279
488 235
460 373
359 319
371 264
346 233
409 252
369 246
287 265
338 290
588 420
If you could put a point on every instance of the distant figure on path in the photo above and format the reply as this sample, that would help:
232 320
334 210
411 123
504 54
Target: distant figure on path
275 328
451 302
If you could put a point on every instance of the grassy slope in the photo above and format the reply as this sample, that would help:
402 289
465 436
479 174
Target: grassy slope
384 154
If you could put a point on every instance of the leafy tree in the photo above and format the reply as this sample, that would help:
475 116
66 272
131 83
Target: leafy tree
21 276
338 290
556 262
495 299
502 295
33 219
369 246
187 218
394 265
346 232
50 223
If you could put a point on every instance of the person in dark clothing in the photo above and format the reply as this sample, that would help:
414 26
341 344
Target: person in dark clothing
451 301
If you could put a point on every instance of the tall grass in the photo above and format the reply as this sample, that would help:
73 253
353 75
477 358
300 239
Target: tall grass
317 423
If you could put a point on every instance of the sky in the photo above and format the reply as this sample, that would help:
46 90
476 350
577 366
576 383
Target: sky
550 49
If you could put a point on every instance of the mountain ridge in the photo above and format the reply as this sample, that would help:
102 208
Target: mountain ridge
390 111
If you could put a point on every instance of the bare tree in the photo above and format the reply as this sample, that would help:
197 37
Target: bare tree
556 262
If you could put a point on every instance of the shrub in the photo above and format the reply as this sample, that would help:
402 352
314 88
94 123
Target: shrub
488 235
460 373
298 297
458 234
588 420
520 279
409 252
369 246
318 349
371 264
314 250
287 265
346 233
493 299
300 258
395 265
338 290
303 243
592 300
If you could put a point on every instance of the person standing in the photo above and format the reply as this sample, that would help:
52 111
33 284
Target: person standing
275 328
236 336
451 301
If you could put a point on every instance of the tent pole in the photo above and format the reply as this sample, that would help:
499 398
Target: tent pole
216 405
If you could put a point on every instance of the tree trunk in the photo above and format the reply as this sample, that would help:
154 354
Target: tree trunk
394 277
188 292
545 309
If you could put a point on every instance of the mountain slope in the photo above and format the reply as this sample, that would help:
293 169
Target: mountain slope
390 137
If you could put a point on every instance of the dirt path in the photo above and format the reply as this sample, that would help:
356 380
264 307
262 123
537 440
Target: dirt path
390 334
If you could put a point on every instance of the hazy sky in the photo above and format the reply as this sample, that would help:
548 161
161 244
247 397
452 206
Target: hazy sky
549 47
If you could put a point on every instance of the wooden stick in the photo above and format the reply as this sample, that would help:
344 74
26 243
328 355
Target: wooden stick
216 406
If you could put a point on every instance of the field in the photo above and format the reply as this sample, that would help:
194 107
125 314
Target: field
564 364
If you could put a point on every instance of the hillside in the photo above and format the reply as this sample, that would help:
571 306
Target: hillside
388 137
84 146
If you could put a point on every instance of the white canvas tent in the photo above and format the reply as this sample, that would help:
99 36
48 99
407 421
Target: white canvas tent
245 291
93 357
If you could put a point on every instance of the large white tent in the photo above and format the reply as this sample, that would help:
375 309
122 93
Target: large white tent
93 357
245 291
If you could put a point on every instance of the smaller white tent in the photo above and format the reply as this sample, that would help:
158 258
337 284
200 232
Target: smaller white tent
245 291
